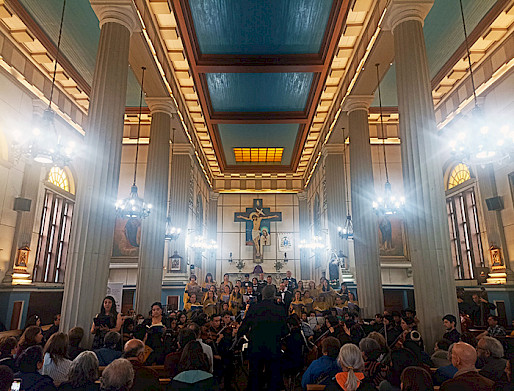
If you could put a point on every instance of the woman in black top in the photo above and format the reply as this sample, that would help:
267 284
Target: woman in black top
107 320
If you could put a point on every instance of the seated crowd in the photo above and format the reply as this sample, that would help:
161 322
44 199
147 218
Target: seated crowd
294 335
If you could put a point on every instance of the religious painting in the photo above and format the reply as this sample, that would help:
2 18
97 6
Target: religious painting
285 241
174 263
127 236
390 236
258 228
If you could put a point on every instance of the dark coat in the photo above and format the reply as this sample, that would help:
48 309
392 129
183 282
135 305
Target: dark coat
74 351
288 298
144 378
264 325
106 356
469 381
493 368
33 381
67 386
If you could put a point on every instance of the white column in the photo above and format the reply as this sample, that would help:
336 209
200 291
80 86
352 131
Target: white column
87 270
153 230
425 216
365 227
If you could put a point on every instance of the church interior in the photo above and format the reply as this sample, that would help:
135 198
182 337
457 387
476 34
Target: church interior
367 142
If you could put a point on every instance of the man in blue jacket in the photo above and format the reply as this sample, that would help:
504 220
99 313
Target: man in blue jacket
322 370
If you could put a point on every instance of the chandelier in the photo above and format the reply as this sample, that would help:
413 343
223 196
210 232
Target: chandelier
388 203
134 207
314 244
346 231
478 139
200 243
45 145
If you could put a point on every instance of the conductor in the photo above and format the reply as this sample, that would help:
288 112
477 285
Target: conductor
264 325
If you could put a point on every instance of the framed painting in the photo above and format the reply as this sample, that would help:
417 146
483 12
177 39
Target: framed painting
391 236
127 237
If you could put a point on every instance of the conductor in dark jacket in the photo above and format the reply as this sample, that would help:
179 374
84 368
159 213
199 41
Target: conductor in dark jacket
264 325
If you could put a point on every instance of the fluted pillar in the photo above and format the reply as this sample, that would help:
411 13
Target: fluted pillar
305 266
153 229
87 270
365 228
425 216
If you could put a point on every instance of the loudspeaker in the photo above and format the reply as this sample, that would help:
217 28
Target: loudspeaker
22 204
494 203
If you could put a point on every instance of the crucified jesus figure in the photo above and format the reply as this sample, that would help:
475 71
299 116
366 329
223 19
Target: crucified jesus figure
256 218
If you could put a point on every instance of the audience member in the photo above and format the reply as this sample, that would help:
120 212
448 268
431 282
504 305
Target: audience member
400 359
83 373
385 354
451 333
490 361
416 379
29 364
56 364
480 309
506 383
494 329
7 350
117 376
467 378
75 336
446 372
54 327
206 348
322 370
172 359
375 371
352 377
31 336
144 378
108 353
6 378
440 356
194 370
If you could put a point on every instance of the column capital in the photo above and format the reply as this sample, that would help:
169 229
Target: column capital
161 105
302 196
183 149
357 102
117 11
333 149
38 107
399 11
213 196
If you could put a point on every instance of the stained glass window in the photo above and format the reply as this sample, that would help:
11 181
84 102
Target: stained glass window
459 174
58 177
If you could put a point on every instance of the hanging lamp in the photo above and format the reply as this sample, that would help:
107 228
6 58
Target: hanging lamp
477 139
388 203
134 207
46 145
346 231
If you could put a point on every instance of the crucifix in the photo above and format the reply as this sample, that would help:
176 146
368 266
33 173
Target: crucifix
257 221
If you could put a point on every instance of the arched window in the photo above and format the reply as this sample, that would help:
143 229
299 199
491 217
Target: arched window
459 174
58 177
55 227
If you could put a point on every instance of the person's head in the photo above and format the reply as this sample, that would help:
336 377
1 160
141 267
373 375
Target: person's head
350 360
396 316
226 277
83 370
407 324
489 347
338 301
476 298
108 306
156 310
282 286
330 347
134 348
312 285
449 322
57 346
226 289
216 321
182 318
304 316
463 356
6 378
192 298
269 279
508 370
492 320
379 318
111 339
255 281
370 349
236 290
210 295
195 328
442 344
261 276
193 358
249 289
324 284
224 307
226 317
351 296
30 360
57 319
312 313
288 274
192 278
33 320
306 294
31 336
331 321
184 336
268 292
416 379
298 295
8 346
208 277
379 338
75 336
300 284
410 313
344 288
117 376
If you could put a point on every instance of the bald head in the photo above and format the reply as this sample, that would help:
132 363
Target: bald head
134 349
463 356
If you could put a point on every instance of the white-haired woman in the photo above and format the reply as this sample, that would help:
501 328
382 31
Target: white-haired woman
351 378
83 373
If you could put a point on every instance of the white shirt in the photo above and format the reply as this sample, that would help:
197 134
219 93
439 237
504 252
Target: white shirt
208 351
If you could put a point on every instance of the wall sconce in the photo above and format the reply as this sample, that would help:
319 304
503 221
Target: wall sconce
285 258
230 258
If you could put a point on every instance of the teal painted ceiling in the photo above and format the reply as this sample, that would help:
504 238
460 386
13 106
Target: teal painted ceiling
257 92
443 35
260 27
258 135
80 36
